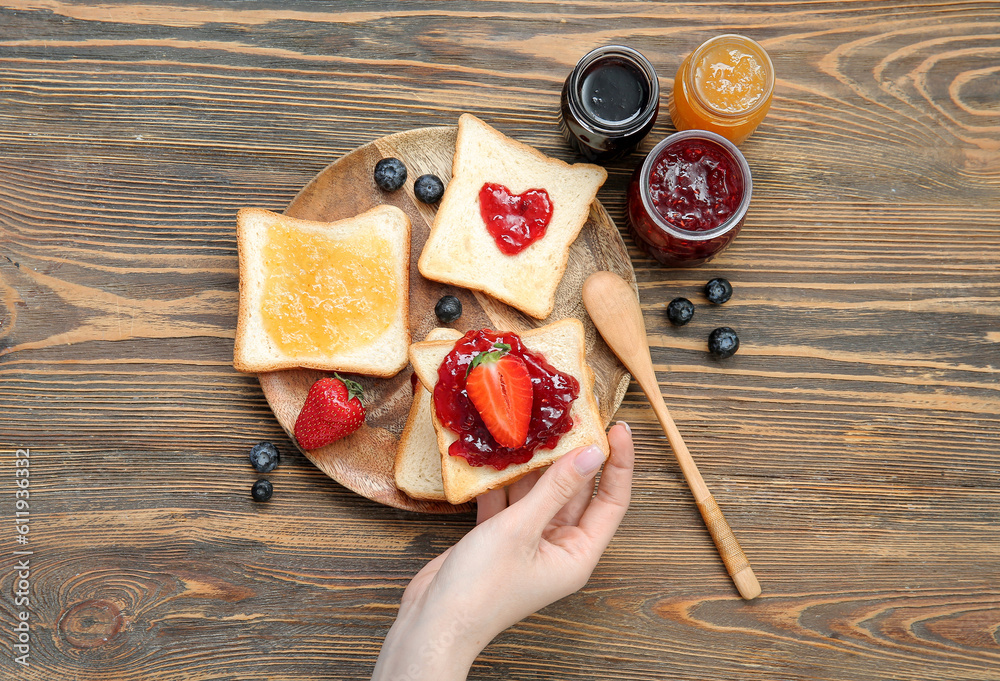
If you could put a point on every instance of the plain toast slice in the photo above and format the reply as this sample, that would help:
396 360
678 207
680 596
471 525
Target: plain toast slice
563 345
418 459
461 251
267 279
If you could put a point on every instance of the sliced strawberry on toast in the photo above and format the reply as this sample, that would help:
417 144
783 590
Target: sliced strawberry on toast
499 386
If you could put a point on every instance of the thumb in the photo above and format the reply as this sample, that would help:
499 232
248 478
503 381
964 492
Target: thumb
560 483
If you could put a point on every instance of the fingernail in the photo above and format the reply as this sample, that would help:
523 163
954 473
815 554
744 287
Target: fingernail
627 426
589 460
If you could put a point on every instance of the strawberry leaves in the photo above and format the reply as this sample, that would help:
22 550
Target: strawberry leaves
501 350
354 388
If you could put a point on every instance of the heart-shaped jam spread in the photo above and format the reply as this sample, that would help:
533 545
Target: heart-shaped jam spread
514 220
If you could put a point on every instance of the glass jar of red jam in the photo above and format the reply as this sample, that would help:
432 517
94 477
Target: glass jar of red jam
688 199
609 103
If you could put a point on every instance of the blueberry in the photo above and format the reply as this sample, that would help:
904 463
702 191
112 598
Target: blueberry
680 311
261 490
264 457
428 188
723 342
448 309
718 291
390 174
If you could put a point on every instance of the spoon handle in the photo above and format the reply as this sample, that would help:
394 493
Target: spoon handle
728 547
733 557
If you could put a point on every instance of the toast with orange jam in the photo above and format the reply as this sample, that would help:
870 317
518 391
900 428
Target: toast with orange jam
323 295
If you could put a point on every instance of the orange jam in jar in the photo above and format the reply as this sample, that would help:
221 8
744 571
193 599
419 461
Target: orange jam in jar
327 295
725 86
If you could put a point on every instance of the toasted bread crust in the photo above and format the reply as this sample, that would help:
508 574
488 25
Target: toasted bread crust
419 425
469 119
249 357
405 453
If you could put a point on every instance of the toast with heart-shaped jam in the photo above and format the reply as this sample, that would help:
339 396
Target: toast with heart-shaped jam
508 218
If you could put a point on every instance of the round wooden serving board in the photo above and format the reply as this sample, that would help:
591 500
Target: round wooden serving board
363 461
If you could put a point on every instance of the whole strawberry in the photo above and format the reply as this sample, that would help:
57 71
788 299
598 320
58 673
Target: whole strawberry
332 410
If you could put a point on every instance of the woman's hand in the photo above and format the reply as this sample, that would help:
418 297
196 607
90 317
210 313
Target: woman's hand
535 542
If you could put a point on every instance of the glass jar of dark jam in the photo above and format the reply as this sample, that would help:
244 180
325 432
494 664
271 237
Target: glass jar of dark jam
688 199
609 103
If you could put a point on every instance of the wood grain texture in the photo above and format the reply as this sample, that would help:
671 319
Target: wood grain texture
363 461
853 441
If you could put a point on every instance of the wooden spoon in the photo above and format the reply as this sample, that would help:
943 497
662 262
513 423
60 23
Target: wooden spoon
613 306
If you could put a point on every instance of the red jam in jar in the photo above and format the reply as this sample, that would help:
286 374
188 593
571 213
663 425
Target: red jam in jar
689 198
695 185
515 221
554 393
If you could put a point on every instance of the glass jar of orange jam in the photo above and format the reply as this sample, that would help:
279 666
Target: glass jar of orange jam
724 86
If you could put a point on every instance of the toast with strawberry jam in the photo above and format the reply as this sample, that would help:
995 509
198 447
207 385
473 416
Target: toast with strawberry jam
479 407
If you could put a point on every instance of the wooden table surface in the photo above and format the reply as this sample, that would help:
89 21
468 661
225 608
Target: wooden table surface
854 441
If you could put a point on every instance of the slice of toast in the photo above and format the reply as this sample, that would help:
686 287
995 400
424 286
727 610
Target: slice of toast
340 291
461 251
418 459
563 345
